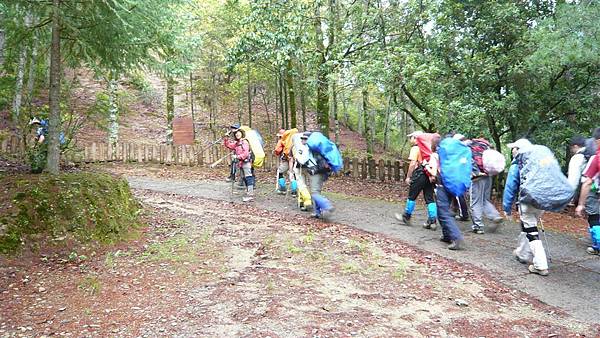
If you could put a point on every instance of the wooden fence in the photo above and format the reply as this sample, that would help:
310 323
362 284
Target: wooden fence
196 155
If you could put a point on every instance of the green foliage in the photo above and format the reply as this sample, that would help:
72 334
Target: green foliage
83 206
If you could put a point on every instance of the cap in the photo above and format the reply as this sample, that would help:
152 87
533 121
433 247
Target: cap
459 137
305 135
520 143
235 126
280 132
415 133
34 121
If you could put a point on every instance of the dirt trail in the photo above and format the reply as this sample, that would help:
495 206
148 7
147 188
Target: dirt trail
572 284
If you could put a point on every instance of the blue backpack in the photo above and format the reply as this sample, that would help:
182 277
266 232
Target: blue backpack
318 143
455 166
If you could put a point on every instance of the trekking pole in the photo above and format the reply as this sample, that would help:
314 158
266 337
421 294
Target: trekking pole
217 162
234 166
547 246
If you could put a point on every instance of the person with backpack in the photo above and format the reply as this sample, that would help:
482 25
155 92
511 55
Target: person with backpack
481 188
242 160
589 197
453 180
536 179
418 180
459 204
318 170
286 161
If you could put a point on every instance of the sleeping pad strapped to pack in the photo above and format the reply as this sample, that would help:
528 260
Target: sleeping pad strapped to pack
543 185
318 143
286 139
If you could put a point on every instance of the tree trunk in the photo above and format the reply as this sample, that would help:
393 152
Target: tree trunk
281 93
277 114
171 83
53 160
345 108
249 97
368 126
322 81
386 130
361 119
285 99
113 113
334 111
292 94
265 97
302 97
2 42
19 84
32 66
192 103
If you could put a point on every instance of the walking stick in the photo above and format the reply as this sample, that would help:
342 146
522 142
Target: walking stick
217 162
234 165
547 246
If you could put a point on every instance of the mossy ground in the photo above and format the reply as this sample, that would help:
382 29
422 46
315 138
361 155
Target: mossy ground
36 210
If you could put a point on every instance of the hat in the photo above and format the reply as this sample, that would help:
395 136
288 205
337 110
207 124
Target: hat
305 135
415 133
235 126
34 121
459 137
520 143
280 132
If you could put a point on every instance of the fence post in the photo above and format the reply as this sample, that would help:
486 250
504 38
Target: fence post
355 168
372 169
397 170
381 170
390 174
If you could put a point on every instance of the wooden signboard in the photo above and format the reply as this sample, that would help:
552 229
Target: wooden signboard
183 131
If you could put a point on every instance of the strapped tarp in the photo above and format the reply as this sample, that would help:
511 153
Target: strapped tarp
455 166
286 139
317 142
543 185
424 142
256 146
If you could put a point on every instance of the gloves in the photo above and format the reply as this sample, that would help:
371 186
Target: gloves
234 157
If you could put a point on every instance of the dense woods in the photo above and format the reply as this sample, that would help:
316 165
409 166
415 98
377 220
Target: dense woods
383 68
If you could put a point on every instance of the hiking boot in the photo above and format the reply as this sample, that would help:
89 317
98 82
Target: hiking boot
519 259
315 215
248 198
532 269
294 194
592 251
461 219
445 240
431 224
281 192
303 208
478 230
404 218
498 220
455 245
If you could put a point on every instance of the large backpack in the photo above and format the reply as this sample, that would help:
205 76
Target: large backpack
543 185
590 148
493 162
455 166
478 147
424 142
255 141
318 143
287 140
300 151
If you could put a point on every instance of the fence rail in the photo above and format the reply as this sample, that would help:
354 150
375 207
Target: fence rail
195 155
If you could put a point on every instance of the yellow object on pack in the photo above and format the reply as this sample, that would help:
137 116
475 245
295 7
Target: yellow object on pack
255 146
287 140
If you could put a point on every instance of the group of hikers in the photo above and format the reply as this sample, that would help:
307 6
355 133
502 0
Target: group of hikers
446 170
306 159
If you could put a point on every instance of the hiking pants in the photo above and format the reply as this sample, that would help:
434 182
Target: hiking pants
481 190
530 246
462 208
450 230
420 182
319 201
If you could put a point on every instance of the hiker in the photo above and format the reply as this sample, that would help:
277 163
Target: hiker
481 187
530 249
589 197
242 160
232 169
453 179
418 180
318 171
286 161
41 130
300 154
459 204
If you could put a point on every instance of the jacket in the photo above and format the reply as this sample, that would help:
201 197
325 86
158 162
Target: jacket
511 189
241 149
279 148
576 166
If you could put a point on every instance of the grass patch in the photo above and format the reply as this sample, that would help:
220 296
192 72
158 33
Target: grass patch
350 268
90 285
293 249
83 206
399 273
175 249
